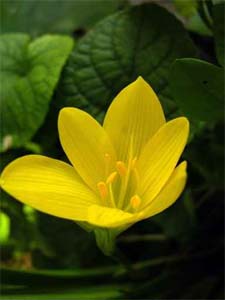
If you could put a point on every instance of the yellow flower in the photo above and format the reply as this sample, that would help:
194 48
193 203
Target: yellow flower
122 172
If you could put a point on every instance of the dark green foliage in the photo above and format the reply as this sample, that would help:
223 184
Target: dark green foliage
55 16
103 63
198 89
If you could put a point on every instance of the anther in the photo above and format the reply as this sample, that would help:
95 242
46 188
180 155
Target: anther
102 187
121 168
111 178
135 201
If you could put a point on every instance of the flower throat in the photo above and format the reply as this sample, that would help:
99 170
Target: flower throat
118 190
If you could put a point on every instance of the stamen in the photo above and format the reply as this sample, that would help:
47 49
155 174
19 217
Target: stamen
111 178
135 201
111 196
102 187
121 168
133 163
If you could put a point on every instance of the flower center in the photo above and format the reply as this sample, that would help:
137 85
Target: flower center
119 188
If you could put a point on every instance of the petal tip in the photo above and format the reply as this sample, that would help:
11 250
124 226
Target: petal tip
182 122
64 111
183 165
142 84
186 124
140 80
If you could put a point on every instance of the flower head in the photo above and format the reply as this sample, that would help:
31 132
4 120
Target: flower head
122 172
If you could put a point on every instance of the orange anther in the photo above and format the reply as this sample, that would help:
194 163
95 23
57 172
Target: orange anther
135 201
103 190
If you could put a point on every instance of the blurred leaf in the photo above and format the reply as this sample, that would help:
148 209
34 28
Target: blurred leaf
197 87
195 24
186 8
101 292
29 74
18 231
123 46
218 27
53 277
55 16
46 284
4 227
205 12
188 11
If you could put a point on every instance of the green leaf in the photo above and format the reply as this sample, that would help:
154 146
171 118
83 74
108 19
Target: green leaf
100 292
4 227
66 284
197 87
218 27
120 48
53 277
29 73
188 12
186 8
55 16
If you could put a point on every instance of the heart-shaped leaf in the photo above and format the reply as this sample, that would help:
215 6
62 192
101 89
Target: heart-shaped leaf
142 40
29 73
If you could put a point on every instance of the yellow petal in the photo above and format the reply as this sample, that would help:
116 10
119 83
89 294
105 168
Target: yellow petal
160 156
133 118
109 217
48 185
86 144
170 192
